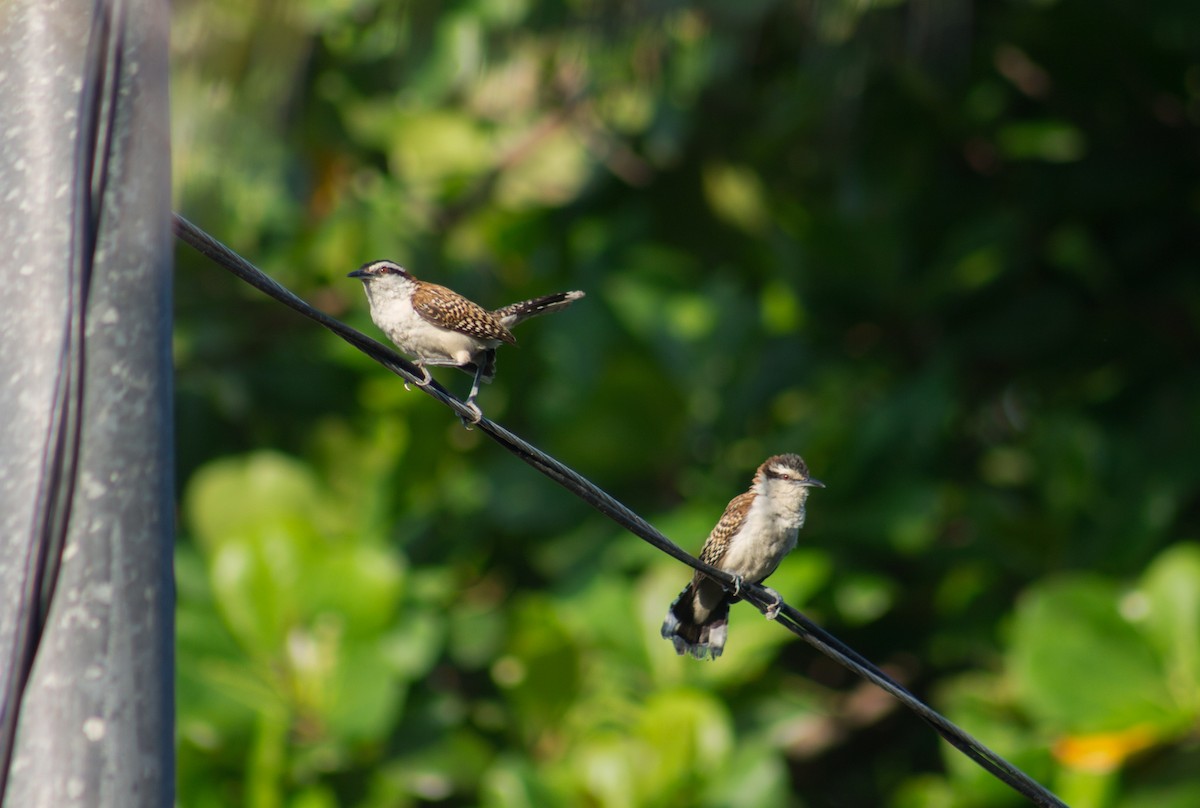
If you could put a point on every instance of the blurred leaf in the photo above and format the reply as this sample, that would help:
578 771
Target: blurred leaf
688 736
782 311
367 693
540 673
981 704
863 598
1054 141
1102 753
755 774
512 782
1170 592
251 499
551 174
362 584
736 196
1080 667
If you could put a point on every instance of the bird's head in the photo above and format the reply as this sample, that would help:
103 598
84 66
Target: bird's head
381 270
789 469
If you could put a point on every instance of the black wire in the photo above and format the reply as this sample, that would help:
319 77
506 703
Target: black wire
586 490
56 486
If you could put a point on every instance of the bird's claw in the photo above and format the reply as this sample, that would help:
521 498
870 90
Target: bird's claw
772 611
476 415
425 381
737 585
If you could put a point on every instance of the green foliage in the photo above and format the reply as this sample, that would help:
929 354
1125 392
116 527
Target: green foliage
949 258
1103 670
1069 628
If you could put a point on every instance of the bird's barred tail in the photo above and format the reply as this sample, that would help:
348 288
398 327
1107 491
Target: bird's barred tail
519 312
690 636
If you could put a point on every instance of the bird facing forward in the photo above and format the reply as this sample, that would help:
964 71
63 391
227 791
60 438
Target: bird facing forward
440 328
756 531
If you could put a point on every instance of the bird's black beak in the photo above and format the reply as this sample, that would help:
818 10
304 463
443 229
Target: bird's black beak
812 482
358 273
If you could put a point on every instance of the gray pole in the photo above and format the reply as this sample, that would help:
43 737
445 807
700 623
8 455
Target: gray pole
86 488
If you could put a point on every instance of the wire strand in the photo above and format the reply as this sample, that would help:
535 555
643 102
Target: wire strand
97 108
589 492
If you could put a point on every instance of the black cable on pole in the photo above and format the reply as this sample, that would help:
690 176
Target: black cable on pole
97 110
586 490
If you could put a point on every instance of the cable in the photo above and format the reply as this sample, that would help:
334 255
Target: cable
590 493
60 457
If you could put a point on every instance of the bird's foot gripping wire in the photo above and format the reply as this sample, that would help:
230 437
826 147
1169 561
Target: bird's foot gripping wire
476 413
737 585
475 417
772 611
425 381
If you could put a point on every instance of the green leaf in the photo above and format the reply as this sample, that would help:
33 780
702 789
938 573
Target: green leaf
1052 141
688 735
1080 667
1167 606
540 674
367 693
980 704
361 583
736 195
254 498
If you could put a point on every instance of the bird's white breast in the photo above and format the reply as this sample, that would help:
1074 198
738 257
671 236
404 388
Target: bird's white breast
768 533
393 312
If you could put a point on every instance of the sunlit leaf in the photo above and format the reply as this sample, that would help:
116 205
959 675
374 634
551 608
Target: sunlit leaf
1080 667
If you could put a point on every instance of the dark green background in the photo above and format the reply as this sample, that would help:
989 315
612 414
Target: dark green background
946 251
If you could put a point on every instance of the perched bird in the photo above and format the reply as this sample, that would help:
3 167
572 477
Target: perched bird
756 531
441 328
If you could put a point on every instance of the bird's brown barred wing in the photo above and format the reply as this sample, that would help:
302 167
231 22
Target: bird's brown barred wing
730 521
448 309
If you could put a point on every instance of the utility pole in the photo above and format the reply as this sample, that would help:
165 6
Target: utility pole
86 464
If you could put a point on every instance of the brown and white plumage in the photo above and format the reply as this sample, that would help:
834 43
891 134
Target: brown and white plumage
439 327
757 529
447 309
